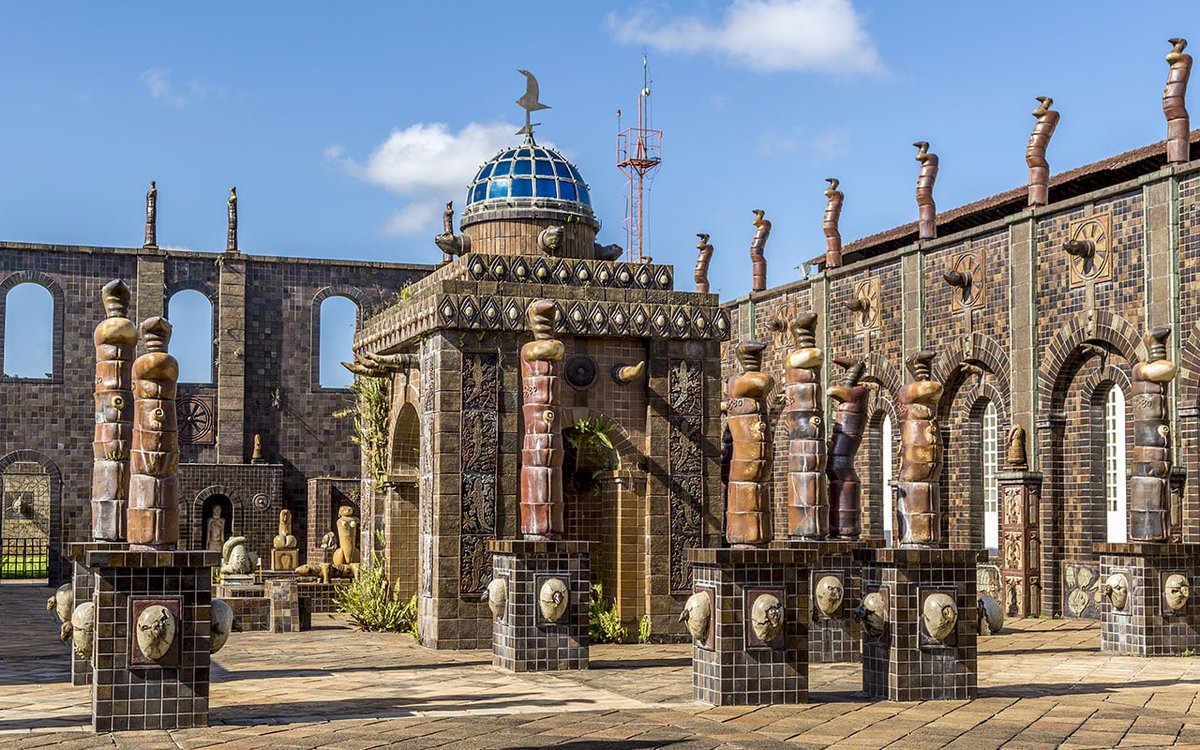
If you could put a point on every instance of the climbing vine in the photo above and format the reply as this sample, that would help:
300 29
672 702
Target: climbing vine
370 423
592 439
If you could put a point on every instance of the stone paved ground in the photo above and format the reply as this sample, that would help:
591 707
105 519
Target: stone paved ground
1043 684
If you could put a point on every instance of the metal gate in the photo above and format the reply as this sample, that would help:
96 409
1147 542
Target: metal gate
24 557
24 521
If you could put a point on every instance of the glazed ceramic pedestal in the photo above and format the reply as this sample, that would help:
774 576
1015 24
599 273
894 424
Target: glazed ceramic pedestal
906 663
523 639
733 666
130 691
81 583
834 637
1147 626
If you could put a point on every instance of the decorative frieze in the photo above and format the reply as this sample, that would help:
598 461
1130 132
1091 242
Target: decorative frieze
685 395
479 446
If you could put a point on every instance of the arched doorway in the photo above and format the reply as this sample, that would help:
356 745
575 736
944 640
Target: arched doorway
25 520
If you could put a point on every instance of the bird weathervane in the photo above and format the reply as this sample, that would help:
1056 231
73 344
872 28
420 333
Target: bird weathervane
529 102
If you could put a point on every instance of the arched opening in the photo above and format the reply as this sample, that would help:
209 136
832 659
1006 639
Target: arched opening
592 494
29 332
25 520
401 515
1114 465
885 477
191 316
991 489
406 443
217 524
338 318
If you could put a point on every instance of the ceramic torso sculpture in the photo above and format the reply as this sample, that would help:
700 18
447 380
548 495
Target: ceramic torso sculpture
920 456
151 216
702 261
1035 152
284 539
153 513
115 340
833 214
747 510
808 505
347 552
231 234
1149 490
849 424
542 449
758 251
1175 101
926 208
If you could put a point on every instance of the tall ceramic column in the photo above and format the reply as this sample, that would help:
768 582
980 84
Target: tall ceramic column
849 424
808 504
115 340
747 511
153 513
920 456
542 450
1149 490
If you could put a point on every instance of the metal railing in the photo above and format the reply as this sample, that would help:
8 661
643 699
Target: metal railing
24 558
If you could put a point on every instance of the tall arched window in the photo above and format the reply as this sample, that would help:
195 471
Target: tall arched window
885 476
1114 463
191 316
339 321
29 332
991 492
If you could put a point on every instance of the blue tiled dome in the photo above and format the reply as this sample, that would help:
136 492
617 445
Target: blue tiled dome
528 176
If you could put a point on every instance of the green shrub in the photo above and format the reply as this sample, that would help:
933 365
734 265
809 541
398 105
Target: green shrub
644 634
371 604
604 624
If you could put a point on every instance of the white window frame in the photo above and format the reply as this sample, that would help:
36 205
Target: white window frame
885 476
991 489
1115 483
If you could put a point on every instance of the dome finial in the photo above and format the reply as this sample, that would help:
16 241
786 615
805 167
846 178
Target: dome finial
529 102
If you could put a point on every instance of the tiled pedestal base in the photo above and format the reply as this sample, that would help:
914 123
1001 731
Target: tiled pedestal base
835 637
523 640
906 663
285 605
169 694
733 667
81 582
1147 626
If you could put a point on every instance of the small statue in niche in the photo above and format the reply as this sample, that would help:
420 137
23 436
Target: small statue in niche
347 533
1016 457
236 559
1176 591
215 529
155 631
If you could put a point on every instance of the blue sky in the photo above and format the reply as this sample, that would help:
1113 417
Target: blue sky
343 125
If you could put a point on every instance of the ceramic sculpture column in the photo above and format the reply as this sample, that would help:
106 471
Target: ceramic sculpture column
747 510
920 456
115 340
153 513
542 450
849 424
808 506
1149 493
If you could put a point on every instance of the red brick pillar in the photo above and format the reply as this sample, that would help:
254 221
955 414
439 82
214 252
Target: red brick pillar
1020 542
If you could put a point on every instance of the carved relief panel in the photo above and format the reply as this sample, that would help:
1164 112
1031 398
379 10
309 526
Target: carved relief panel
479 446
865 302
965 274
685 393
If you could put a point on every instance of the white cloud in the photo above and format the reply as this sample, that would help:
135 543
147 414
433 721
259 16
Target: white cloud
158 84
764 35
411 219
830 147
423 160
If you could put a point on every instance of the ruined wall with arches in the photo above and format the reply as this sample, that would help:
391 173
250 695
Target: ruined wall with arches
263 356
1039 338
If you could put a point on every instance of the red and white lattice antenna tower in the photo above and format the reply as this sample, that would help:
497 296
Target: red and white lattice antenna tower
639 152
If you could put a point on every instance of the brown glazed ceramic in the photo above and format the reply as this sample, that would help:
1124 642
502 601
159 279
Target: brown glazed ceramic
1035 152
702 261
758 248
747 510
151 216
1149 491
231 237
849 424
1016 458
1175 101
833 214
927 209
153 513
919 504
542 450
115 340
808 504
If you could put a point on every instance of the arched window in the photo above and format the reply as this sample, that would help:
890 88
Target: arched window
1114 463
991 491
339 322
885 476
29 332
191 316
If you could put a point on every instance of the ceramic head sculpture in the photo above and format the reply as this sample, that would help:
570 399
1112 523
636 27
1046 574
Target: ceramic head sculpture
697 615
